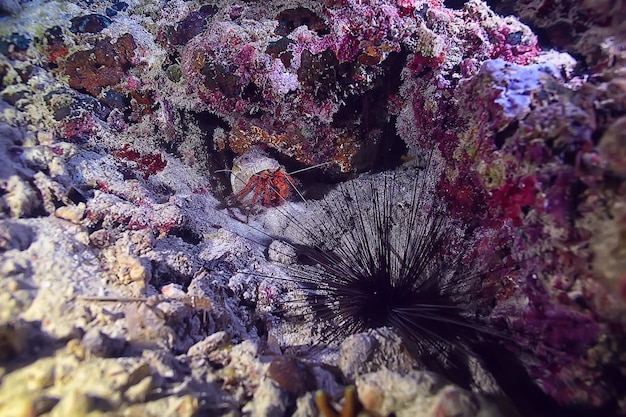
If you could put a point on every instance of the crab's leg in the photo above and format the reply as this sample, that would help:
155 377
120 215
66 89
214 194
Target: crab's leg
245 191
259 189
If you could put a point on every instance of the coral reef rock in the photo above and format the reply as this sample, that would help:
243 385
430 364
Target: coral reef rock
132 282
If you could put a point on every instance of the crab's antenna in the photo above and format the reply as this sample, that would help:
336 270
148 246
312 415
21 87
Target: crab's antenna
303 170
295 188
297 171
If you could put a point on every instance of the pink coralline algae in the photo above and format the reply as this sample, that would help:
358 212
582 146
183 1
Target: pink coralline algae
504 38
369 30
511 199
330 69
521 164
77 129
146 164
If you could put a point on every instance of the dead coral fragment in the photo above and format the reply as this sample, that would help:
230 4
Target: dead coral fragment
148 164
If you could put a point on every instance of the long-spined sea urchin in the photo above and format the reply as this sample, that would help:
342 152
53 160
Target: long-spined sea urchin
383 251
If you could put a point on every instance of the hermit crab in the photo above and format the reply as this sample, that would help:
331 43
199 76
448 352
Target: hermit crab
258 179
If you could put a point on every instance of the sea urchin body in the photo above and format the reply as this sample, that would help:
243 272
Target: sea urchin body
381 252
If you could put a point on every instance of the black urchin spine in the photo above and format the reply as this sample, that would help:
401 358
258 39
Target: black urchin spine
391 262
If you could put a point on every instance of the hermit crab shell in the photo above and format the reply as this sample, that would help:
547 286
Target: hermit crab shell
250 163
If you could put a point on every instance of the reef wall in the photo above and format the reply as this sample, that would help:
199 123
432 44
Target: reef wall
130 279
